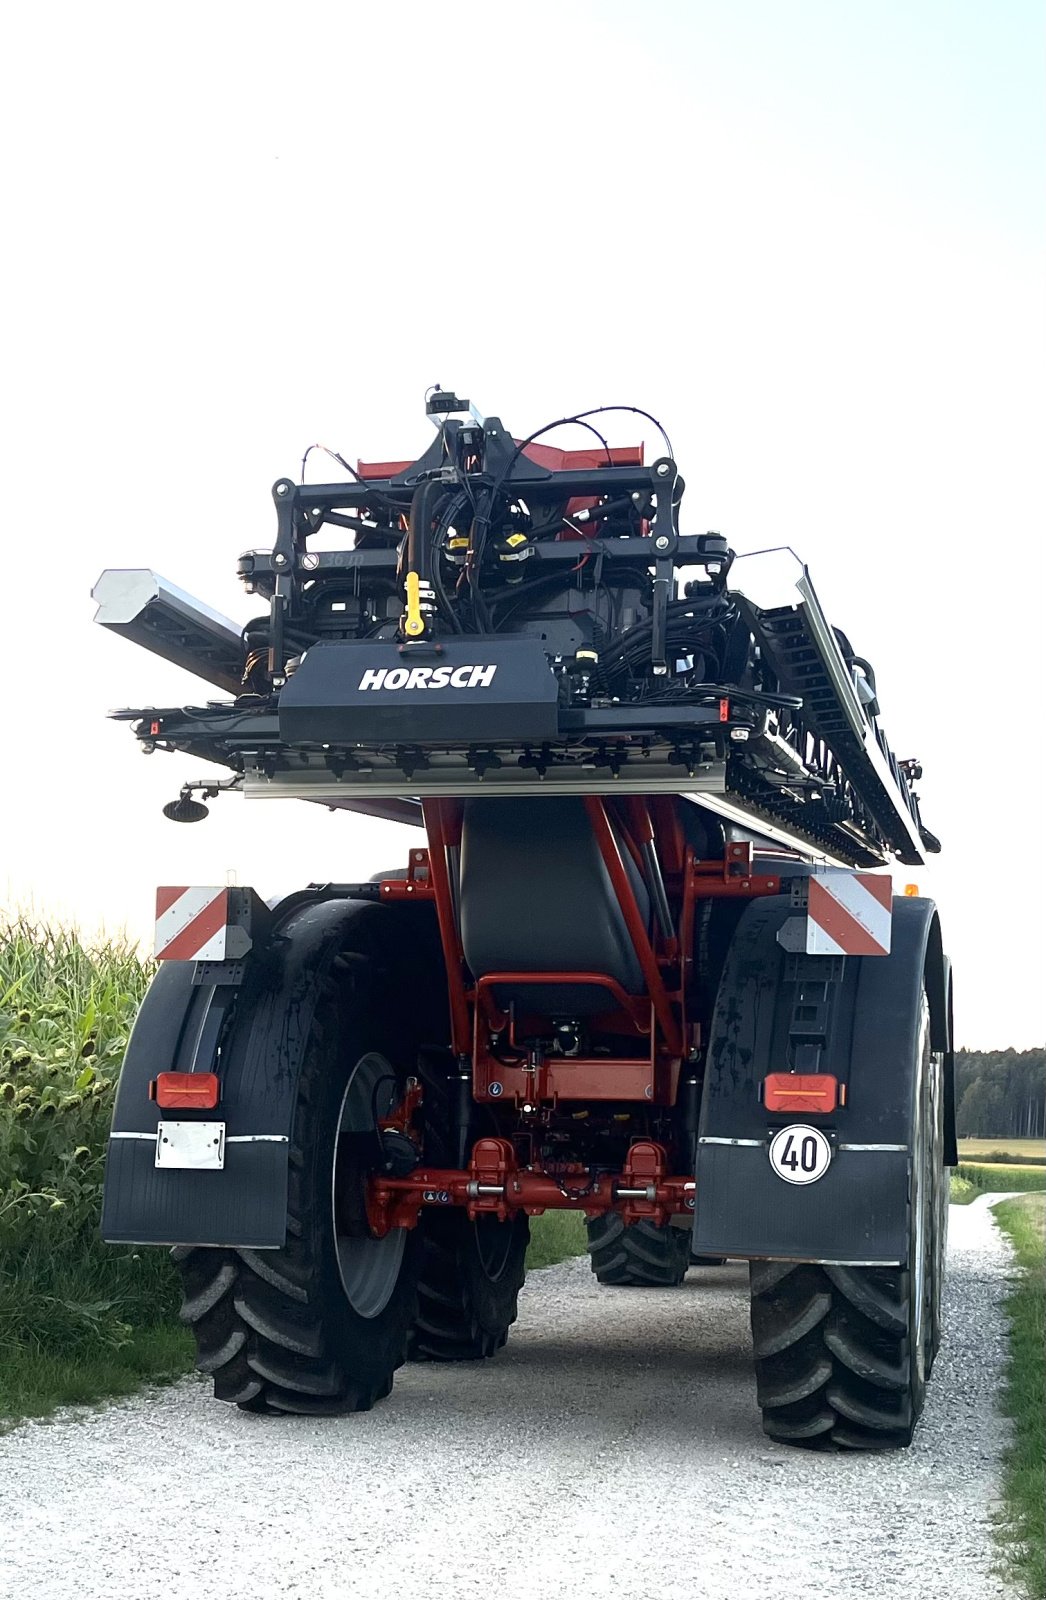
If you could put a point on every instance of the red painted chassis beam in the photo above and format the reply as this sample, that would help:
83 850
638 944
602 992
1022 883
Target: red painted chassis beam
663 1009
398 1202
495 1184
437 826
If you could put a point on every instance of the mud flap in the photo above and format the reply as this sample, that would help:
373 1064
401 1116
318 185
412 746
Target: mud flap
250 1037
854 1017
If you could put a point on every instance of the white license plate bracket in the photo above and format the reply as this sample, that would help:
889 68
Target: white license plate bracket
191 1146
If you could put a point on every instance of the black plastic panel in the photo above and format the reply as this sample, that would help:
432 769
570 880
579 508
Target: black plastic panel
536 897
460 690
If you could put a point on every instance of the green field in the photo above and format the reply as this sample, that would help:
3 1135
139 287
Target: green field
1030 1151
988 1178
1024 1396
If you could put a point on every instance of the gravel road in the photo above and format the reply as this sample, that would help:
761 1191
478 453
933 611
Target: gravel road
613 1448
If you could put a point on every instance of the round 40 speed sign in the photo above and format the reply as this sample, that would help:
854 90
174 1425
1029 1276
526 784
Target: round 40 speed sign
800 1154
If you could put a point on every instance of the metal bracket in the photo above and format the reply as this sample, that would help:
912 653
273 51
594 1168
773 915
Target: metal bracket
816 980
191 1146
284 553
218 974
664 541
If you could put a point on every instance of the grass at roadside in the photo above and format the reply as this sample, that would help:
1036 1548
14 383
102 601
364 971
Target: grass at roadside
81 1321
1024 1396
556 1236
34 1382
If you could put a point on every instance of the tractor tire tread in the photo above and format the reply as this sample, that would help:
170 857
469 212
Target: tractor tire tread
638 1255
449 1325
829 1373
257 1334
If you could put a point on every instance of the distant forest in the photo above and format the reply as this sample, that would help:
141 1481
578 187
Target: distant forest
1000 1093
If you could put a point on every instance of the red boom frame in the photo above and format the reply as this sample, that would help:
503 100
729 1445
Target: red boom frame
495 1182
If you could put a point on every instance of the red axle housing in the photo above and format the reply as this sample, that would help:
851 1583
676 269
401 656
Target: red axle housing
496 1185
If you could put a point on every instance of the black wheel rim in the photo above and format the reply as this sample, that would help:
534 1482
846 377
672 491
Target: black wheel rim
369 1267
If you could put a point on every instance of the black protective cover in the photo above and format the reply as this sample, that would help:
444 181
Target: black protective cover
261 1051
857 1212
323 703
536 897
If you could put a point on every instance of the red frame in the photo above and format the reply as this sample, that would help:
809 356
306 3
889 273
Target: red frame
494 1181
495 1184
659 1014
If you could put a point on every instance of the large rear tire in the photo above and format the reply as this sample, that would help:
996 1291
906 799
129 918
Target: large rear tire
639 1255
842 1354
470 1275
321 1324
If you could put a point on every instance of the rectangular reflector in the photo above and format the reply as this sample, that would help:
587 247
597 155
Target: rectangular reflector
814 1092
184 1091
191 924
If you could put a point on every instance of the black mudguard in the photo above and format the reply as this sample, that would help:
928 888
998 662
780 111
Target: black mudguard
857 1212
253 1038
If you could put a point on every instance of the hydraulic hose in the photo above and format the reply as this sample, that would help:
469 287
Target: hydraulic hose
419 535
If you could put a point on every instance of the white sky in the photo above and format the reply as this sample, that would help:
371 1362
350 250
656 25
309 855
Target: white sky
807 235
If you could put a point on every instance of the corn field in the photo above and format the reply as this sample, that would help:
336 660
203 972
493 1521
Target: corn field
65 1014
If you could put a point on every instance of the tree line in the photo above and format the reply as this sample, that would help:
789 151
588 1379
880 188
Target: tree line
1000 1094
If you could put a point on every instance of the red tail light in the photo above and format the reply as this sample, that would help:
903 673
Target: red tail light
185 1091
815 1092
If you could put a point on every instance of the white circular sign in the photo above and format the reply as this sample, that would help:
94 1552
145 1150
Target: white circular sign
800 1154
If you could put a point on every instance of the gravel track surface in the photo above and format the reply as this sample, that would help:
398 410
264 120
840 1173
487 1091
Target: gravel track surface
613 1449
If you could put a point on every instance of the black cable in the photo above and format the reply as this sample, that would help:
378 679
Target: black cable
376 494
579 418
335 456
482 521
423 507
517 590
548 428
386 1077
477 543
636 637
637 411
446 522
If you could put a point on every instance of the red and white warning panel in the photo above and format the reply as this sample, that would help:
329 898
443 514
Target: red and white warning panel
192 924
849 914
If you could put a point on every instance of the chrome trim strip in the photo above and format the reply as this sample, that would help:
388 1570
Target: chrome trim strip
758 1143
871 1147
232 1138
713 1139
